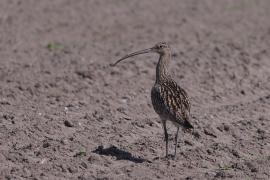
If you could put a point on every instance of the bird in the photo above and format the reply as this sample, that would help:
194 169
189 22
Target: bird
170 101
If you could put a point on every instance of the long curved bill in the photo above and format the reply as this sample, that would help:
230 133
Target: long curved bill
133 54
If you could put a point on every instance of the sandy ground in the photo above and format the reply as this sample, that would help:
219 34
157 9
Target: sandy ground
65 115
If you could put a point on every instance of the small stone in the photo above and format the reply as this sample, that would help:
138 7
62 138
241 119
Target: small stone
128 170
235 153
124 100
63 167
72 170
93 158
83 164
37 153
238 165
8 116
81 178
4 102
87 116
64 141
220 174
262 118
43 161
188 142
251 167
210 174
46 144
220 128
210 132
260 131
196 134
85 74
209 151
68 123
226 127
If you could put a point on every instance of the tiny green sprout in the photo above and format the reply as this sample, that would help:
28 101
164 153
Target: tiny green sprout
53 46
82 152
225 167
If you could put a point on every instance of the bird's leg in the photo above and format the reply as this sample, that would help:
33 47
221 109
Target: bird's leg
176 137
165 135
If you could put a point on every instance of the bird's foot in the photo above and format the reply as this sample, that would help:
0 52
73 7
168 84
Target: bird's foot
170 157
165 158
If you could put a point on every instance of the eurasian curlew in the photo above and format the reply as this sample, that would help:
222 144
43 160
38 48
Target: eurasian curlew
169 100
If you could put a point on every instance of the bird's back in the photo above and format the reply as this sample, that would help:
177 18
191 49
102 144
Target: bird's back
171 102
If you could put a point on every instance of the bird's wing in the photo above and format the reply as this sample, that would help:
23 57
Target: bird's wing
177 102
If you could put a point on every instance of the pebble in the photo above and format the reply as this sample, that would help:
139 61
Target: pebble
68 123
72 170
251 167
46 144
83 164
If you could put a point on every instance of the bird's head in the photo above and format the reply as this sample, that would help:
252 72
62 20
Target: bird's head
160 48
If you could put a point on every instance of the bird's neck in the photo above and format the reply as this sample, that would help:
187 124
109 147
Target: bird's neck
162 72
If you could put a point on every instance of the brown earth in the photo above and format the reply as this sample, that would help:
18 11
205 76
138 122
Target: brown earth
65 115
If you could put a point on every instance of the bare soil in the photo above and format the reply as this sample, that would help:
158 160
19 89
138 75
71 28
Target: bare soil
64 114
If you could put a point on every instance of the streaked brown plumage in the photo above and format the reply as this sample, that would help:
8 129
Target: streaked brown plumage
169 100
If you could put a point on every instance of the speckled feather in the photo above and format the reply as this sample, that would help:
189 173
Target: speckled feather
171 102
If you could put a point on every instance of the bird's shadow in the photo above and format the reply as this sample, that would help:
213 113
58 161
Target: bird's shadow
118 153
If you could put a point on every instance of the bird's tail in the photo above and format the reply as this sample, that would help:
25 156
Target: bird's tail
190 129
187 125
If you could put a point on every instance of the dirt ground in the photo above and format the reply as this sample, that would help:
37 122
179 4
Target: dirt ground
64 114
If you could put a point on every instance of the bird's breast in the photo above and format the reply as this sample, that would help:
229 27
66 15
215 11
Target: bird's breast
157 101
